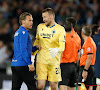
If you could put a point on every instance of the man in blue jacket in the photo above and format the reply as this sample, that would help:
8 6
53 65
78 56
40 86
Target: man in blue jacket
22 67
97 62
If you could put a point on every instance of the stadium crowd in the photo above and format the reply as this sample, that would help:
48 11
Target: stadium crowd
86 12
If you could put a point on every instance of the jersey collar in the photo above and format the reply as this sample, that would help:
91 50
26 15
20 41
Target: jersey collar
51 26
24 28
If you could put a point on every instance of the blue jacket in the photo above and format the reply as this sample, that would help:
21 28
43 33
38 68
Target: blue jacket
22 48
97 62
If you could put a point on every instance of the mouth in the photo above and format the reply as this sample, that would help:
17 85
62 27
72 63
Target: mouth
45 21
31 25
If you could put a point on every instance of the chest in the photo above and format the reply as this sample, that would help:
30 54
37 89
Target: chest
48 34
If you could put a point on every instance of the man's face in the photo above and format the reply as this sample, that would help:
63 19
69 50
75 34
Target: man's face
46 18
28 22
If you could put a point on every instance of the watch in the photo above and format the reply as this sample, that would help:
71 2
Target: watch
85 70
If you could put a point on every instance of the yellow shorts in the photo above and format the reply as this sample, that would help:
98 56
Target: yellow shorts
50 72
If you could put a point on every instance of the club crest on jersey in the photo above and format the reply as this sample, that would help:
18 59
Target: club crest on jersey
53 31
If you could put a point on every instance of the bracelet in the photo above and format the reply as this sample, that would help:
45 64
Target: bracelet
85 70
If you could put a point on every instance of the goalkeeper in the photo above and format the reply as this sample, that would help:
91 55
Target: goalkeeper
51 37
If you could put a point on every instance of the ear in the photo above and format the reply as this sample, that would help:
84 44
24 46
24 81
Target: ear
95 32
23 21
51 16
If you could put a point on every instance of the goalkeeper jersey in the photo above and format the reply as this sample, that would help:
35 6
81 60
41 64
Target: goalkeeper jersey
50 37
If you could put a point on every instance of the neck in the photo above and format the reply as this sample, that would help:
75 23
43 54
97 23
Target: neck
68 32
85 37
52 23
72 29
24 27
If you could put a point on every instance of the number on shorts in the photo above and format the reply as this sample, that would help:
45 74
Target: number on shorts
57 70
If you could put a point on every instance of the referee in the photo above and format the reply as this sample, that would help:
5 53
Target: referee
22 67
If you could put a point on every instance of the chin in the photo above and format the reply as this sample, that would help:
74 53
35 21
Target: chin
30 28
46 24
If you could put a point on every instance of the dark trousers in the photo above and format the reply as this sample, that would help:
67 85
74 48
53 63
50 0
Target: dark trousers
22 74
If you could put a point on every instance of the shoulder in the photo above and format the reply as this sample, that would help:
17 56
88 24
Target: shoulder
90 42
23 31
41 25
59 26
78 37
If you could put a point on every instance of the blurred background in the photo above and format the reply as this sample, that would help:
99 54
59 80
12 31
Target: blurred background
86 12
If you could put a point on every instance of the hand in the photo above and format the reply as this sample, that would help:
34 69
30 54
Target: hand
31 67
39 47
84 74
53 52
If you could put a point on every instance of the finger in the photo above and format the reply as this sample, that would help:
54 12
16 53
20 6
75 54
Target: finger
32 70
39 48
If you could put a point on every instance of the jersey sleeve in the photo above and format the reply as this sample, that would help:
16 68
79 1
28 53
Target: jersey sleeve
37 37
23 47
62 40
89 48
34 49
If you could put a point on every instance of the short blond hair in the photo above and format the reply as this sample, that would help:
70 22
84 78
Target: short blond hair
49 10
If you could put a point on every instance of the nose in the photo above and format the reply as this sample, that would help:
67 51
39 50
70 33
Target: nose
43 19
31 22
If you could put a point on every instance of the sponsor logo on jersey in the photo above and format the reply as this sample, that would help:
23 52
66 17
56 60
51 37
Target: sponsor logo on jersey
45 35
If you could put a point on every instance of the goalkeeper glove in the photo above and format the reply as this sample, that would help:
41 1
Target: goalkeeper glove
53 52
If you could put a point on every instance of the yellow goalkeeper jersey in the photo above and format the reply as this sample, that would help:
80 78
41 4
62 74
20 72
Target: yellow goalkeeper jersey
50 37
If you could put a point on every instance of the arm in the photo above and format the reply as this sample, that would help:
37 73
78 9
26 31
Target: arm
88 61
34 48
62 41
61 46
36 44
78 56
87 65
79 50
37 38
89 51
55 51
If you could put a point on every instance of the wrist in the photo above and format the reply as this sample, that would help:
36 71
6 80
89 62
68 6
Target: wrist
85 69
29 65
58 50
